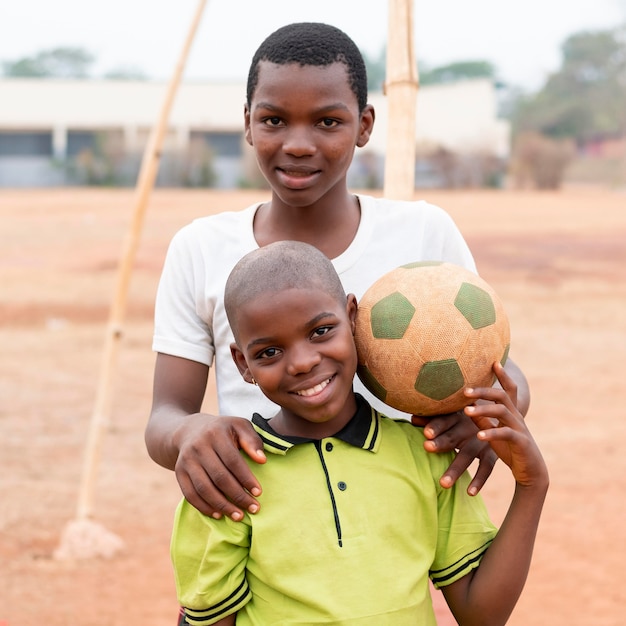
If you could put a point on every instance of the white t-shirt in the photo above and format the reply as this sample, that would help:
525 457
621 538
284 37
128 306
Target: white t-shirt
190 320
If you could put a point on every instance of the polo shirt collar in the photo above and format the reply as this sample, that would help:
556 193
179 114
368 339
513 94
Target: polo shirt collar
362 431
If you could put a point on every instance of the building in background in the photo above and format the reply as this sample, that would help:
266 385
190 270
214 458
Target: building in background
81 132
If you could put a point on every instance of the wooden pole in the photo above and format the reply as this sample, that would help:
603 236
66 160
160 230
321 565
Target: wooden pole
401 87
145 184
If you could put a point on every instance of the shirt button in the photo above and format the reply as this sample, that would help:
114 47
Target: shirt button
342 486
329 447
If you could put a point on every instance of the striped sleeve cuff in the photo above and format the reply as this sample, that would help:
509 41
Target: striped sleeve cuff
460 568
235 601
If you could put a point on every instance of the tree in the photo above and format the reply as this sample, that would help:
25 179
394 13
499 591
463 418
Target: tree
586 97
53 63
126 73
458 70
376 70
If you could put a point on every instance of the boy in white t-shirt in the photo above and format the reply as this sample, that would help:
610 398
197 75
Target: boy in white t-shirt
305 114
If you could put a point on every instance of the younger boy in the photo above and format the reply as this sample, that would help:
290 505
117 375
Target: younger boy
318 551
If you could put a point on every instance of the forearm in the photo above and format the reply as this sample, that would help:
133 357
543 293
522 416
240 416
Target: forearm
160 435
496 585
179 386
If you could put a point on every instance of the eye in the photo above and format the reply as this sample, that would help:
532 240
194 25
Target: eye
272 121
328 122
268 353
321 331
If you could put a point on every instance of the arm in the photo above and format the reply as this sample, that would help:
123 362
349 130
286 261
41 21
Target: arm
457 432
489 594
202 449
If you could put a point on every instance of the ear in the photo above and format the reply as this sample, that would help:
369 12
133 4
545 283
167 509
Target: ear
240 362
351 309
367 124
246 124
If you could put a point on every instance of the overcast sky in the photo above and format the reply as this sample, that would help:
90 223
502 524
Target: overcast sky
521 38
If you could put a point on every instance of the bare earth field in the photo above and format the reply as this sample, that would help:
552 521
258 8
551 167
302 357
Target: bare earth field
558 261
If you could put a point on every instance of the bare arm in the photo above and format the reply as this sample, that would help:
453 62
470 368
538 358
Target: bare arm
202 449
458 432
488 595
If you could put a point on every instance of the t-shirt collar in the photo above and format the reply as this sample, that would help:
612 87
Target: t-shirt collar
362 431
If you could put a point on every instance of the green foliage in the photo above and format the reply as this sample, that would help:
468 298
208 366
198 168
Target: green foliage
53 63
126 73
376 70
586 97
459 70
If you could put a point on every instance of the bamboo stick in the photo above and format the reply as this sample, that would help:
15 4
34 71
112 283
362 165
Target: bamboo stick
401 87
114 330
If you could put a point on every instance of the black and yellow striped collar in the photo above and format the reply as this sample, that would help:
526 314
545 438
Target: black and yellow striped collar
362 431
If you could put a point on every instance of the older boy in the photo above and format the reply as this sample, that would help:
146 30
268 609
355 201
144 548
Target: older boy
330 455
306 112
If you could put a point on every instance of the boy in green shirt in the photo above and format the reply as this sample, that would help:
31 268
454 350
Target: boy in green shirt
318 551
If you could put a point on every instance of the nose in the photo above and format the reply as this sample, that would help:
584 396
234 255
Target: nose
302 359
299 142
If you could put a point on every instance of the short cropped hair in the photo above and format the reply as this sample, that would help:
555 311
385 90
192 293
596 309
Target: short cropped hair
311 43
276 267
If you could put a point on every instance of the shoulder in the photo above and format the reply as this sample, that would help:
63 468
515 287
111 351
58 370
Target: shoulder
400 434
215 239
402 429
412 210
216 224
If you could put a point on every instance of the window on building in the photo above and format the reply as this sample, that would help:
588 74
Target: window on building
80 140
18 143
109 141
222 144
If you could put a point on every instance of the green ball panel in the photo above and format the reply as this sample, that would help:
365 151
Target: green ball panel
410 266
505 356
391 316
367 378
439 379
476 305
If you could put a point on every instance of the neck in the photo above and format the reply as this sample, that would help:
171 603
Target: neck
330 225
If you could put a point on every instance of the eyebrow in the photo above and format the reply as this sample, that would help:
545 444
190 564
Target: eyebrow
329 107
312 322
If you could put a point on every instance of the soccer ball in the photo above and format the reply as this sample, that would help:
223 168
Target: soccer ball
424 332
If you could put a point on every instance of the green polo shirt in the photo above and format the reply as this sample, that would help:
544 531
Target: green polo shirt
350 529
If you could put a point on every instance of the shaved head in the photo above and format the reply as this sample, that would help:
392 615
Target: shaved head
277 267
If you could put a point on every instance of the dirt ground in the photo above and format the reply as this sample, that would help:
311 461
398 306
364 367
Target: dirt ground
558 260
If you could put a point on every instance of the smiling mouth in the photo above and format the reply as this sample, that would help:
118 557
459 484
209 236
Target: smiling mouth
297 173
314 390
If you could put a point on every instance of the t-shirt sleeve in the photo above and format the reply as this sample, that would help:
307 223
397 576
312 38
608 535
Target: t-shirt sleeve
209 558
443 233
182 316
465 530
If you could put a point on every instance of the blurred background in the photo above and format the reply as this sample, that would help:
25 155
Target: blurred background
521 138
528 94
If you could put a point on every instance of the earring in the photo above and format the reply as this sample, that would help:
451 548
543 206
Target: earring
254 382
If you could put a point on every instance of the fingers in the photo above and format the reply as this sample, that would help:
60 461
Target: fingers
446 433
471 450
486 464
420 420
498 412
212 473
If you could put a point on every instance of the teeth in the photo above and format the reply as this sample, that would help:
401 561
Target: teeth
313 390
297 173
